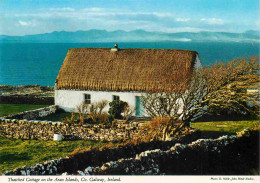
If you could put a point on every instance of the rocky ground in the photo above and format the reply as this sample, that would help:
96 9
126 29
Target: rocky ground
27 94
27 90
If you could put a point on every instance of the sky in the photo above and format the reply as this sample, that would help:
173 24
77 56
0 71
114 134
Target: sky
25 17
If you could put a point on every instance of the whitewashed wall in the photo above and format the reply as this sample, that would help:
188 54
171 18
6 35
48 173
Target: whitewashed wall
69 99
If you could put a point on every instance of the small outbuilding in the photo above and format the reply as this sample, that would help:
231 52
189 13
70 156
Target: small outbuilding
95 74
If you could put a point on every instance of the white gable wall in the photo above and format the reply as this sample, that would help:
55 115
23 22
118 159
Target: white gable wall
69 99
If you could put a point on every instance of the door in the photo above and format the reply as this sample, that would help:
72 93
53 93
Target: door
139 106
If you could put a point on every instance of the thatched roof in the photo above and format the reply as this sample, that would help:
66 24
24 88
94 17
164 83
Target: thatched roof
124 70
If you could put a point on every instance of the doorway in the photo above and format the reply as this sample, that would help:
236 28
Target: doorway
139 106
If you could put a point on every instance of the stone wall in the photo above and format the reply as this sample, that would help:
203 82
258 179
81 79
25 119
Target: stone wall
34 114
23 99
227 155
44 130
223 156
96 157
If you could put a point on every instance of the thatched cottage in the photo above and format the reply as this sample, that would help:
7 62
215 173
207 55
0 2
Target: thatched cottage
94 74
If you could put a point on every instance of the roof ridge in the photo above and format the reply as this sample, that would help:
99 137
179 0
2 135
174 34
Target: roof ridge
106 48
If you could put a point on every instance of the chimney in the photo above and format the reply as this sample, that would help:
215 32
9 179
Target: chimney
115 48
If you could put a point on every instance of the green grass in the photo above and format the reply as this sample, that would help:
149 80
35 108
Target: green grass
6 109
16 153
56 116
218 128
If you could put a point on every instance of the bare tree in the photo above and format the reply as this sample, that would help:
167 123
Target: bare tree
177 106
205 89
227 86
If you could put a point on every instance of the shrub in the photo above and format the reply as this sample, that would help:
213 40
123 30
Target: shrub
101 105
88 113
116 109
70 120
128 112
157 121
80 117
103 117
159 129
82 112
96 112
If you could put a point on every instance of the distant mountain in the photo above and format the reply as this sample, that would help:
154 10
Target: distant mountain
132 36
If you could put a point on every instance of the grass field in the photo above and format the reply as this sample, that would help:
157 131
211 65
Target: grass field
218 128
6 109
16 153
56 116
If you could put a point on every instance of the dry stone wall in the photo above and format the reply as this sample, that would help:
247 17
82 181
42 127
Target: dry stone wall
221 156
20 99
227 155
96 157
44 130
34 114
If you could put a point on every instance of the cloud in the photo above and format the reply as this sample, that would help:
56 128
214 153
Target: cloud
93 9
69 19
28 23
62 9
184 29
212 21
182 19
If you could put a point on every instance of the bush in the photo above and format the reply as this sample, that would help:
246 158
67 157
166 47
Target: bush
96 112
88 113
128 112
78 118
70 120
160 129
116 108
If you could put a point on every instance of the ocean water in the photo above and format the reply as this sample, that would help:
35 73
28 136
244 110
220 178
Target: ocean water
39 63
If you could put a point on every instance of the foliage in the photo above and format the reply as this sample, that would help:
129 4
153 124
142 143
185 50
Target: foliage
91 113
227 86
70 119
160 129
212 88
101 105
179 103
116 109
82 112
77 118
96 112
128 112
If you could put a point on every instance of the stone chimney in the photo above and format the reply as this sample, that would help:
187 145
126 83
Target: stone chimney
115 48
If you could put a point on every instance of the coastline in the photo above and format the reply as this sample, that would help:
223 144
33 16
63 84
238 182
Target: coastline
26 94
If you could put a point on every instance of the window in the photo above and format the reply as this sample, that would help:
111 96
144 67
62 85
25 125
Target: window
87 99
116 98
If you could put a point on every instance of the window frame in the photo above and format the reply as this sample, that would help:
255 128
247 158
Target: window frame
115 98
87 98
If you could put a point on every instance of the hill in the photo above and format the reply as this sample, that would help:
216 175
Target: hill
131 36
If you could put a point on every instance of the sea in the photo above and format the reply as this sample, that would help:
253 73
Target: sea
39 63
